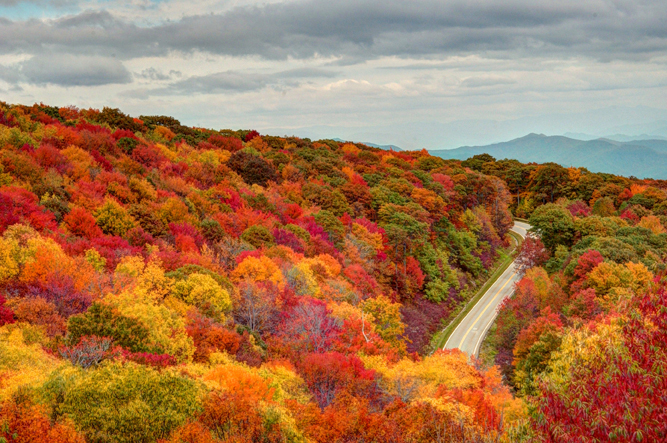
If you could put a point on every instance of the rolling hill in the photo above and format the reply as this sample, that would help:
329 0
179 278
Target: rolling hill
639 158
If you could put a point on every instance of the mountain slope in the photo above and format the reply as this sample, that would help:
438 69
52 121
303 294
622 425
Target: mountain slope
640 158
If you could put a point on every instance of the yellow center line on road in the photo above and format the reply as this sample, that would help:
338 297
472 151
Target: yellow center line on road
485 308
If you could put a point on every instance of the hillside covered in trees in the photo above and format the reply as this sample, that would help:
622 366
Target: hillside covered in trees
166 283
584 338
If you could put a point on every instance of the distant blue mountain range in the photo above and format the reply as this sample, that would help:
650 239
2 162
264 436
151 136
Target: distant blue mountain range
639 158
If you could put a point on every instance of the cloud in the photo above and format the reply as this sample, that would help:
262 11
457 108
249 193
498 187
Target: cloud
10 74
57 3
155 74
353 30
306 73
69 70
239 81
220 82
290 63
486 80
136 94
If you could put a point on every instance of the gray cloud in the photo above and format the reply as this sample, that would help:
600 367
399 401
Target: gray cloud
220 82
69 70
237 81
486 80
10 74
293 63
352 30
56 3
306 73
155 74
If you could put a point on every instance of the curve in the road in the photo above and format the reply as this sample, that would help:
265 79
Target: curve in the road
469 333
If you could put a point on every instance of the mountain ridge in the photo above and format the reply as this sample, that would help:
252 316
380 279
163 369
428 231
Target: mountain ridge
640 158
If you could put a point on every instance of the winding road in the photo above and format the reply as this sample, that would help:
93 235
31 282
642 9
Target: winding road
469 334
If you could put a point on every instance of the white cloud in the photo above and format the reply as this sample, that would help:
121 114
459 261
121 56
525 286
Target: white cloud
349 64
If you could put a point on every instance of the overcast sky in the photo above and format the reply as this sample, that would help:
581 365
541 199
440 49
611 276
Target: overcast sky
385 69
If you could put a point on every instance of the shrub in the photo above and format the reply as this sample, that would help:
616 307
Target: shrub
212 231
330 374
124 403
114 117
60 290
127 144
24 422
37 311
103 321
6 314
232 144
250 135
253 169
148 359
89 351
81 223
18 205
203 291
258 236
209 337
114 219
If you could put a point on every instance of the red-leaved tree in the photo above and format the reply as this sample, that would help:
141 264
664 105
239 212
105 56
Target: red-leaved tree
618 395
531 253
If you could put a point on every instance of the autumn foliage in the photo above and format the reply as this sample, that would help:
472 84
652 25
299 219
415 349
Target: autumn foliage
581 339
166 283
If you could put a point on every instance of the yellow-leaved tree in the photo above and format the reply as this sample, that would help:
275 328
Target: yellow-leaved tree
23 360
145 287
386 317
123 402
653 223
613 282
204 292
114 219
9 268
409 379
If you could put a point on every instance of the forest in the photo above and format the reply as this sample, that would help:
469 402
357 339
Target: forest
583 339
166 283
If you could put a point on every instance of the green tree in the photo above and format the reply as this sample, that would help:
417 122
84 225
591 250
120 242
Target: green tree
548 181
554 224
477 162
103 321
535 362
604 207
332 225
258 236
123 402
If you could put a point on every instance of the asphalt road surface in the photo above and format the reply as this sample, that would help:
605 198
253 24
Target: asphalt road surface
469 334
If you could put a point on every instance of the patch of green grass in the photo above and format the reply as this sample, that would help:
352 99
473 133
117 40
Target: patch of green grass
489 348
440 338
